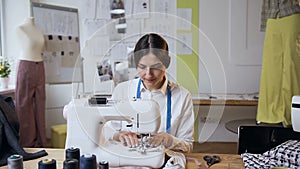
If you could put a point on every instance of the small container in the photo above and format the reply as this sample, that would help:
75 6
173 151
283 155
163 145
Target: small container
47 164
73 153
103 165
71 164
15 162
88 161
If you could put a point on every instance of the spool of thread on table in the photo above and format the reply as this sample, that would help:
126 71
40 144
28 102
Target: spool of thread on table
73 153
88 161
103 165
15 162
71 164
47 164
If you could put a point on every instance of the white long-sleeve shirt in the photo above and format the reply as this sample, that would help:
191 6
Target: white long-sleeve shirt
182 113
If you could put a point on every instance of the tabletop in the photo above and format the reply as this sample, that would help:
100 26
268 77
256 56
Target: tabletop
228 161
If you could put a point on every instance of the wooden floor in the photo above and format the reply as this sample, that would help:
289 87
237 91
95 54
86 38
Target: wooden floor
216 147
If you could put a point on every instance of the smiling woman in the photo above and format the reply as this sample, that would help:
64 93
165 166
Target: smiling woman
151 56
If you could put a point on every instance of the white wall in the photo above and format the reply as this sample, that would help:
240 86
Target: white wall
232 26
213 130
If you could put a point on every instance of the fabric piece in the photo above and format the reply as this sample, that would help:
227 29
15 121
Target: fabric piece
280 76
286 154
30 103
177 160
9 129
277 8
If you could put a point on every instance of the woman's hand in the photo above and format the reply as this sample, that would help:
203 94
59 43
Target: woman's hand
129 139
161 138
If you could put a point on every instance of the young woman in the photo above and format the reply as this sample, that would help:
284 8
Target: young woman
152 58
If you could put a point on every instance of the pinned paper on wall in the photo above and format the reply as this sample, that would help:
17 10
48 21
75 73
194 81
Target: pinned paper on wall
67 46
64 23
184 43
52 63
100 45
71 52
52 43
161 25
128 8
141 9
119 52
89 8
165 7
185 19
133 26
93 26
103 9
61 32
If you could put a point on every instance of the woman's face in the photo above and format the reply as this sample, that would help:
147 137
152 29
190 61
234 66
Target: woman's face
152 71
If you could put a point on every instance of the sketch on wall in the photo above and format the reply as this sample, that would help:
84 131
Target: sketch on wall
112 28
61 55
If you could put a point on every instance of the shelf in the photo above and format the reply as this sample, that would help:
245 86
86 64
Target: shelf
228 99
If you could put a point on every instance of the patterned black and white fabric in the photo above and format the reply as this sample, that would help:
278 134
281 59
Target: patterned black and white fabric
286 154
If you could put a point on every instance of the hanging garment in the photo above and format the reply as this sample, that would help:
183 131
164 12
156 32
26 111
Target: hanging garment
280 77
9 137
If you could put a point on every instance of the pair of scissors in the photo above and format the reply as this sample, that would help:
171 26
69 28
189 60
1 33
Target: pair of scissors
210 160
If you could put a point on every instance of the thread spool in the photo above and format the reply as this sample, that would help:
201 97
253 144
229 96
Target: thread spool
47 164
15 162
73 153
103 165
71 164
88 161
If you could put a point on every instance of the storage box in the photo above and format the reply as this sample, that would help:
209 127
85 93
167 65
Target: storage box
58 135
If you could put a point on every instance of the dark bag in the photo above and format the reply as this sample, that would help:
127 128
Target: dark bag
9 133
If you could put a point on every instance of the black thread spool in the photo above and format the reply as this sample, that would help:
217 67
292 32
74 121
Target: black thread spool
15 162
103 165
73 153
71 164
47 164
88 161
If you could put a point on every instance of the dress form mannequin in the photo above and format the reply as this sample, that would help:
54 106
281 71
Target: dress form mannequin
30 86
31 40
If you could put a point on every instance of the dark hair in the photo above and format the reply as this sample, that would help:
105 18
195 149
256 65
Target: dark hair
155 44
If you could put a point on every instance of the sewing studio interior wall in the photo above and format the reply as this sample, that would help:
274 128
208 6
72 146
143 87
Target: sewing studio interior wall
229 28
232 29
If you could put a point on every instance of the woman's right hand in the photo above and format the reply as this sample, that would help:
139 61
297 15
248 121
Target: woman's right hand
129 139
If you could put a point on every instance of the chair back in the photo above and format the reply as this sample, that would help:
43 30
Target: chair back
259 139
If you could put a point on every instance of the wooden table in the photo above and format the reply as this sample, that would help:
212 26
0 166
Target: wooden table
228 161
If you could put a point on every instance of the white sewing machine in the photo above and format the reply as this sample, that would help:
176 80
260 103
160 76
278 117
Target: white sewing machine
86 124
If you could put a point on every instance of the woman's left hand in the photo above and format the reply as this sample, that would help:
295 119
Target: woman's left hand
161 138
